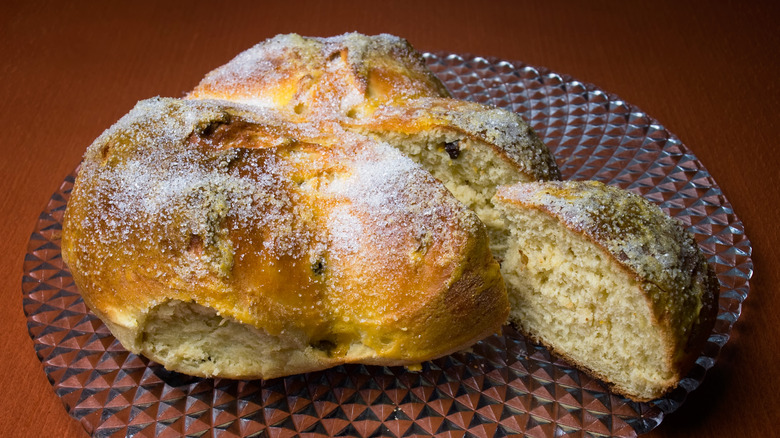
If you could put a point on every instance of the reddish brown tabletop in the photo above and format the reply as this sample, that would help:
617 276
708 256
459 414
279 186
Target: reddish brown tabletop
706 70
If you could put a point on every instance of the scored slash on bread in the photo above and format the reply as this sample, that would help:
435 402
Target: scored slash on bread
289 228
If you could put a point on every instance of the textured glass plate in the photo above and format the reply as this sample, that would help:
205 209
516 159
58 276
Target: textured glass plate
503 386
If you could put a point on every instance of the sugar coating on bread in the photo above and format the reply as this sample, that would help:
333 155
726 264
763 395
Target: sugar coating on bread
194 221
607 280
346 76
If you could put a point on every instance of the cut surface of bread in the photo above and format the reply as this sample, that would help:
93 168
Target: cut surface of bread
196 340
607 280
328 246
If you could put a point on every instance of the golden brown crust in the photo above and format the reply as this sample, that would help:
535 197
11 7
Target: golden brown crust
680 287
344 76
282 226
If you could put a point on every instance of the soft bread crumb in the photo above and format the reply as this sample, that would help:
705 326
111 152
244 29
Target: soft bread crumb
195 340
575 299
582 270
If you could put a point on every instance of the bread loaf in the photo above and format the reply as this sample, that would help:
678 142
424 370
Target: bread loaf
222 240
607 280
319 201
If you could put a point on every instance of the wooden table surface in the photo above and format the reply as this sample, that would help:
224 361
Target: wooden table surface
705 70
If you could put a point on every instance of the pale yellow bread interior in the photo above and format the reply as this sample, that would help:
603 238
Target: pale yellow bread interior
607 280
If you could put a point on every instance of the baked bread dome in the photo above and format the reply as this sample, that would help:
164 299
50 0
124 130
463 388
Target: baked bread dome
345 76
223 240
607 280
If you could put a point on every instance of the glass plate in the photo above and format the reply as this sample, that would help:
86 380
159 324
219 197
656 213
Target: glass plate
504 385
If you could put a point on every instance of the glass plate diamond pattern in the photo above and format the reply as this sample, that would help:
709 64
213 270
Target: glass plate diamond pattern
502 386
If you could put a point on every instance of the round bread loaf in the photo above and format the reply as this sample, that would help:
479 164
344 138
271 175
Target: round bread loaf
272 224
606 279
223 240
